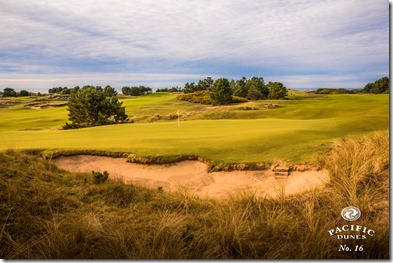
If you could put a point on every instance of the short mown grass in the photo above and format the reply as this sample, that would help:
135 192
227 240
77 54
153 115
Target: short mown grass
248 132
46 213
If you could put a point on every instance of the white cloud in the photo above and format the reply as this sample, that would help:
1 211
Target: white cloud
292 37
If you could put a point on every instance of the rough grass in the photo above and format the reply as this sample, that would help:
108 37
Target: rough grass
48 213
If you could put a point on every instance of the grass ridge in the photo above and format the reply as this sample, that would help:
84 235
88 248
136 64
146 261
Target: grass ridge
213 166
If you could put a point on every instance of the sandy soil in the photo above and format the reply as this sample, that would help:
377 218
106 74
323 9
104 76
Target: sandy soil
41 107
193 177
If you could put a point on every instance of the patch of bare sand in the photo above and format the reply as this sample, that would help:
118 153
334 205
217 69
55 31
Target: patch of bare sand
42 107
193 177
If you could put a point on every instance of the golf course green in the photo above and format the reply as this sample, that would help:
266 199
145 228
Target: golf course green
256 131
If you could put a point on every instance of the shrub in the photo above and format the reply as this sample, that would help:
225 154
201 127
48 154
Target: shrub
99 177
334 91
201 96
236 99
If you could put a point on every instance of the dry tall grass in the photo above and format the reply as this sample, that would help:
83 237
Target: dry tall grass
47 213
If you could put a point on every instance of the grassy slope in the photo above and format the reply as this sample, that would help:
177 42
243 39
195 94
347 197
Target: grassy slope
48 213
297 128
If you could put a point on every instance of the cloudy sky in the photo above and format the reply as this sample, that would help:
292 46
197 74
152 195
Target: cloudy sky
304 44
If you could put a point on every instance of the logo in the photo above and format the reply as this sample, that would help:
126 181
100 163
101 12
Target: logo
351 213
351 231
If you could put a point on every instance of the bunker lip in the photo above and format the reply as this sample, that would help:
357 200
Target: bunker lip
213 166
193 177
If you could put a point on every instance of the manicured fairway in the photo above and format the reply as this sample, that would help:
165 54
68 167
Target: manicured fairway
293 132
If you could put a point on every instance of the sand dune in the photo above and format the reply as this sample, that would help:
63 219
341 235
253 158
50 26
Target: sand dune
193 177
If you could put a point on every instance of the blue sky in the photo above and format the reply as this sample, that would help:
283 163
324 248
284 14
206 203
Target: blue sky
304 44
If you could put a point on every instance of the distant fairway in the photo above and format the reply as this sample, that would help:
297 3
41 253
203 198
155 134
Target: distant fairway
247 132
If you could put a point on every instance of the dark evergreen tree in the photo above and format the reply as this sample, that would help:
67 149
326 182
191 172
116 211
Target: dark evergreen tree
136 91
90 106
204 84
221 92
23 93
8 92
109 91
253 93
126 90
379 86
256 89
189 87
241 88
66 91
277 90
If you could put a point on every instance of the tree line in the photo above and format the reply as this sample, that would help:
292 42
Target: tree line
222 91
253 88
9 92
380 86
93 105
64 90
136 91
173 89
126 90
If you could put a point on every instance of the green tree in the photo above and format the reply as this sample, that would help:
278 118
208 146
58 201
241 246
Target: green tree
8 92
75 89
89 106
126 90
368 87
136 91
256 89
173 89
109 91
66 91
241 88
221 92
379 86
23 93
57 90
232 85
277 90
253 93
189 87
204 84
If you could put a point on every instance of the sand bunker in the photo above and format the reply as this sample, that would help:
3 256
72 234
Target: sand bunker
193 177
